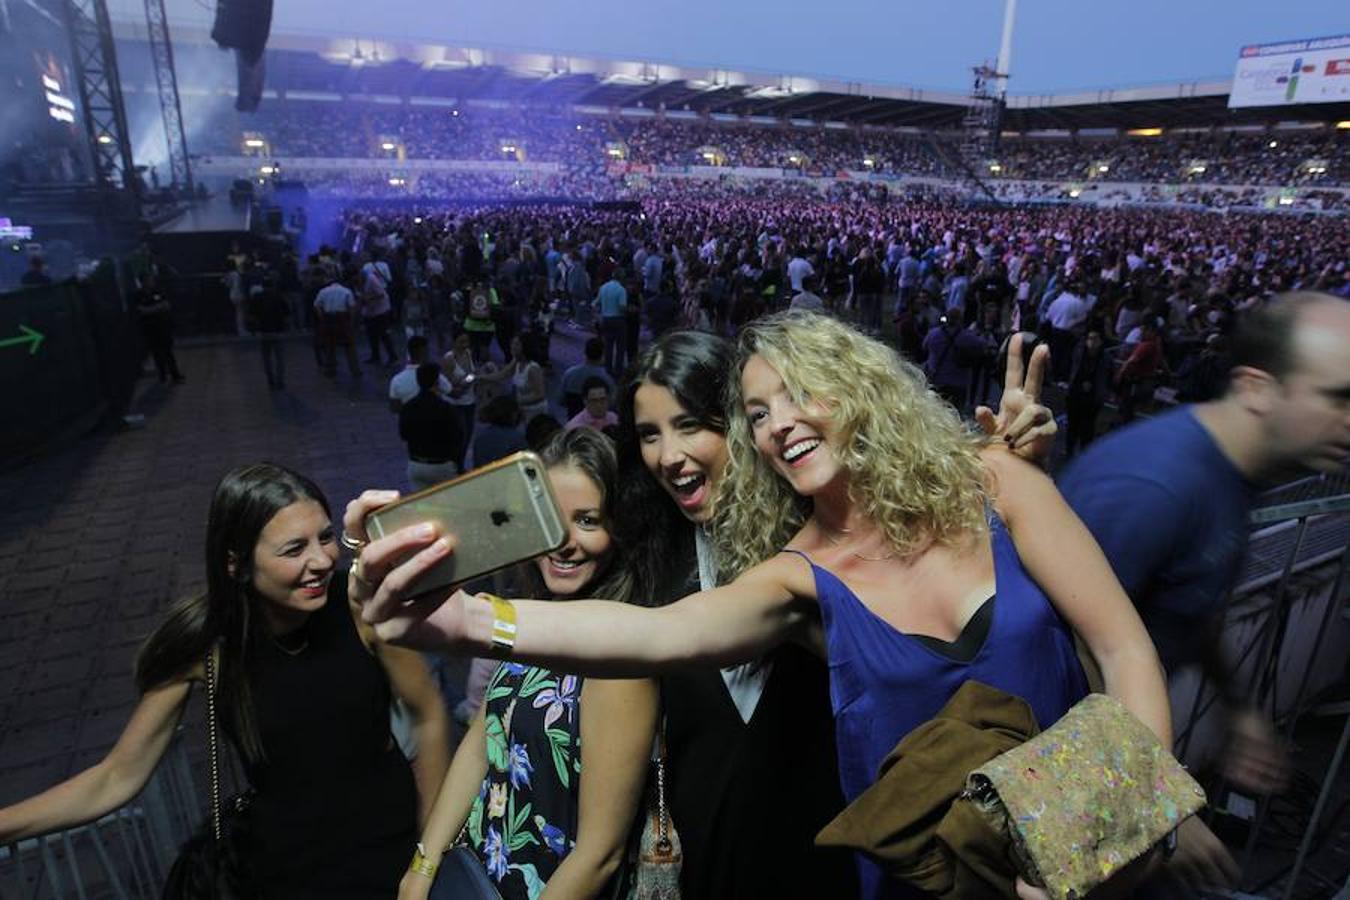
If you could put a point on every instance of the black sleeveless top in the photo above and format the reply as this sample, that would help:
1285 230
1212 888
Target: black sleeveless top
747 799
335 814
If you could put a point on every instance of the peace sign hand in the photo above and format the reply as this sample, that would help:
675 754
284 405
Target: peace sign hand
1027 427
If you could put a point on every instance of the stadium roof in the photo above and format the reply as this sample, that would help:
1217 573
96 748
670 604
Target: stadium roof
305 64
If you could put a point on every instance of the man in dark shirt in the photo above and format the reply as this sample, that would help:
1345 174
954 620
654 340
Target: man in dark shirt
1169 499
36 276
267 312
499 431
662 311
155 317
1089 379
576 376
430 428
950 351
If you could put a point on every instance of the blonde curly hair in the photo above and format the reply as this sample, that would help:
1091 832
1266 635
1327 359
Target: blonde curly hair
913 465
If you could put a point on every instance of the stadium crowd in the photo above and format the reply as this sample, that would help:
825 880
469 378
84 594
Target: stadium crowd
1219 158
300 129
922 272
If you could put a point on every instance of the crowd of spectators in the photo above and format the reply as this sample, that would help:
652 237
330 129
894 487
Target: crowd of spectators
296 129
1159 288
572 184
1291 158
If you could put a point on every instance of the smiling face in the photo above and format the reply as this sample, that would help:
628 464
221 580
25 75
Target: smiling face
683 454
293 563
589 545
794 440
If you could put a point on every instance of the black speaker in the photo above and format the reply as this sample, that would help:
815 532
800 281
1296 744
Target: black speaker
244 26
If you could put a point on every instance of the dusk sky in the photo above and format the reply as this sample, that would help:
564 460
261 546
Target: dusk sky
1059 45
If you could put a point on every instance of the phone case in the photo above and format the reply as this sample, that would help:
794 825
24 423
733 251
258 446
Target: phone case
500 514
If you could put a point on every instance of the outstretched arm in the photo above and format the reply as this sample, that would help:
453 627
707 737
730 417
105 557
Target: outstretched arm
727 625
724 626
110 782
1060 554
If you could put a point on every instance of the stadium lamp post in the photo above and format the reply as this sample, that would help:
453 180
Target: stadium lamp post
1005 49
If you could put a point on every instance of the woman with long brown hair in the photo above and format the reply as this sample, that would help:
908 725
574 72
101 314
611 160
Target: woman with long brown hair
302 693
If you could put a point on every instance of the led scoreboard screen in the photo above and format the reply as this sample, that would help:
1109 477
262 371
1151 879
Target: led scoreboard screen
1293 72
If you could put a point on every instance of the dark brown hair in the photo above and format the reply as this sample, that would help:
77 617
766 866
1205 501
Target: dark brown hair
694 366
591 453
227 614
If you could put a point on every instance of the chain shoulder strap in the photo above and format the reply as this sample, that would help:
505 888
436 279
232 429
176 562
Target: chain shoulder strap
663 843
213 742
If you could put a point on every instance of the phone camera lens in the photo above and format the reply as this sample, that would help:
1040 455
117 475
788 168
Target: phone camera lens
530 472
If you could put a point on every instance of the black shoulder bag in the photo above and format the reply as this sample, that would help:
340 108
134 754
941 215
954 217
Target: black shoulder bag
210 864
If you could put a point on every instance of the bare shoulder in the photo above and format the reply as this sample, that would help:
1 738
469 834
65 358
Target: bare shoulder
788 574
1014 483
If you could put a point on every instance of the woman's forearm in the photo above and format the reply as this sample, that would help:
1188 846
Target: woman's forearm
598 638
1134 677
433 758
455 800
111 782
605 639
580 877
732 624
89 795
1061 555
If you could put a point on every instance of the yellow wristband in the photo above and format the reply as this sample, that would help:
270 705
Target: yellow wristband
503 624
421 865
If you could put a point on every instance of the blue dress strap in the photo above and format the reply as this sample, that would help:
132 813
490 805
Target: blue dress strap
799 553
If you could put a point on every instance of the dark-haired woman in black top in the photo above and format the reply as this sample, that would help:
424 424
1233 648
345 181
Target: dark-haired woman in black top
751 757
303 695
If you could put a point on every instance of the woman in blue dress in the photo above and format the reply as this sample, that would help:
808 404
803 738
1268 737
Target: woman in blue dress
546 783
929 557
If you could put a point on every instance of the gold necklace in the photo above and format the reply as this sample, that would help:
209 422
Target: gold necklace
304 645
835 541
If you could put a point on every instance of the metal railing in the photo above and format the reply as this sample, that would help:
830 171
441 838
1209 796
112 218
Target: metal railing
1300 526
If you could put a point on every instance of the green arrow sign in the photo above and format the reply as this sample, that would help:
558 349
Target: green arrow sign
30 337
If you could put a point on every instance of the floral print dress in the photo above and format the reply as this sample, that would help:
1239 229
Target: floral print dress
524 820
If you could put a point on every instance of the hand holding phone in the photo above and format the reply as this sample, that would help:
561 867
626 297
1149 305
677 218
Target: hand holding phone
496 516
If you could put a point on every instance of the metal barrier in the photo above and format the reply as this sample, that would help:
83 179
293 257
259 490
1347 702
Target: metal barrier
72 356
1301 526
124 855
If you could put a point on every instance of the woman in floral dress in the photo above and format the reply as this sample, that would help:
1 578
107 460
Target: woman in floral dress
515 789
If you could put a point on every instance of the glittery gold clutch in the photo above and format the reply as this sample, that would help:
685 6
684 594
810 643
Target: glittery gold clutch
1085 798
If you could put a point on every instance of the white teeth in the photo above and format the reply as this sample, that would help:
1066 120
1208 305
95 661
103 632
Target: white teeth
685 480
800 449
565 563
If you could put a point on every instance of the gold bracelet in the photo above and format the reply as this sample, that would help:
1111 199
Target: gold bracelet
421 865
503 624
